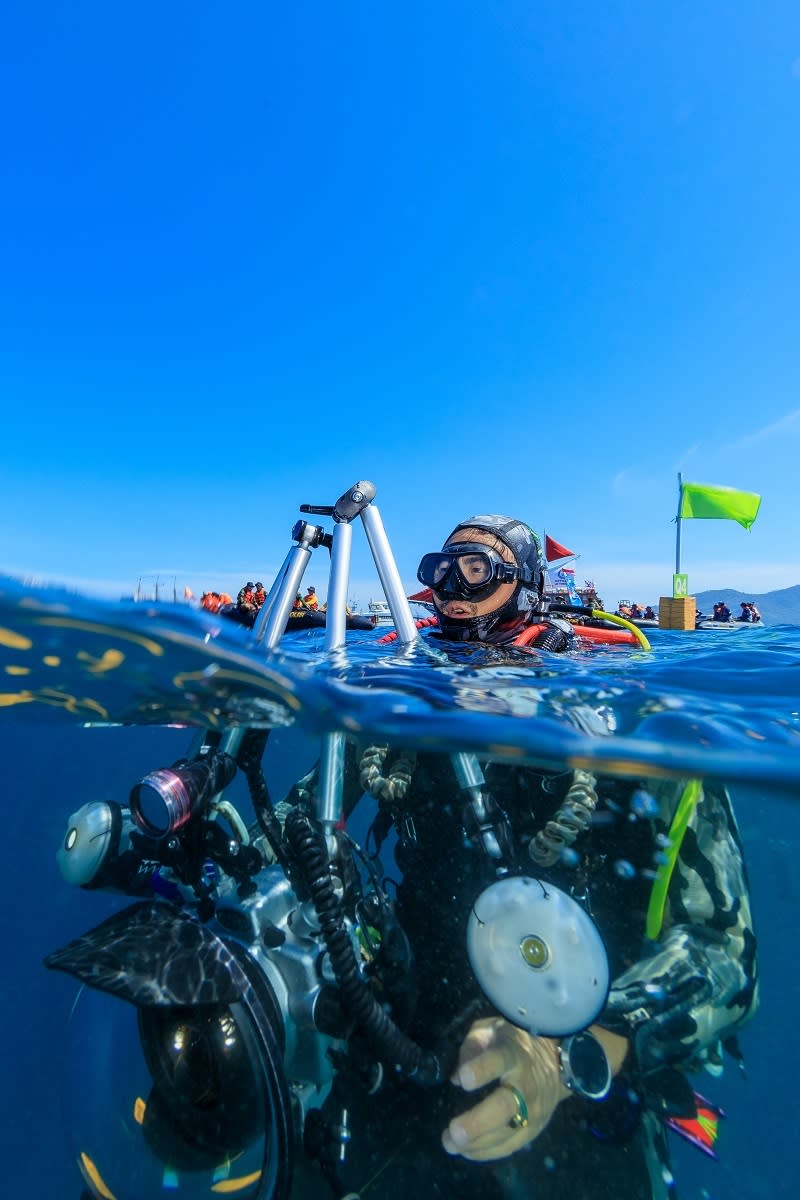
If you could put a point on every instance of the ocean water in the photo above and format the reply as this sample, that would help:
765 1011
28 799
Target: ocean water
94 696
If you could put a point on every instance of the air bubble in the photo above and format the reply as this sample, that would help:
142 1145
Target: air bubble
643 803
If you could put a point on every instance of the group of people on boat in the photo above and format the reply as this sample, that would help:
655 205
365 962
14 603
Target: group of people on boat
249 600
308 601
635 612
749 612
214 601
721 612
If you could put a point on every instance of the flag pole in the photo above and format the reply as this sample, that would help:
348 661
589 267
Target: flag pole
678 527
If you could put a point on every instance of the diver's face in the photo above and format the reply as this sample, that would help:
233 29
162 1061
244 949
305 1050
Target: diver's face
464 609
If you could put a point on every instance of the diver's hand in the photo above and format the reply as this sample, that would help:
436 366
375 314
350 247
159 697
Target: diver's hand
496 1050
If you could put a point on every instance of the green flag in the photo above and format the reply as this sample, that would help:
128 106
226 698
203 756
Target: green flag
721 503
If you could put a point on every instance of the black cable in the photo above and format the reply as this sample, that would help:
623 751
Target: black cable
387 1039
249 759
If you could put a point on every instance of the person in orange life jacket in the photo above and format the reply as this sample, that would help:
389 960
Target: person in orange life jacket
310 599
487 583
245 600
259 595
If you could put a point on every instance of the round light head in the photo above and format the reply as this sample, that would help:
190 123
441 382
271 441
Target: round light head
538 956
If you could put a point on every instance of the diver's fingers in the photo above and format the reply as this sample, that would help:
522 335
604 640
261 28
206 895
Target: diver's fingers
484 1131
486 1053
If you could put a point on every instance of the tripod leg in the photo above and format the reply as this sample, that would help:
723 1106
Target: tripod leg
271 621
389 575
338 582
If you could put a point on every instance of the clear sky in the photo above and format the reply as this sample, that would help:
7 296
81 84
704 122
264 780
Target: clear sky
524 256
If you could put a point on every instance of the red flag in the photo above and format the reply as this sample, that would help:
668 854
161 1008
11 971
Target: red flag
554 549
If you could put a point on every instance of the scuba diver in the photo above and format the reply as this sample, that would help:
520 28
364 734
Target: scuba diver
487 584
525 1113
517 1009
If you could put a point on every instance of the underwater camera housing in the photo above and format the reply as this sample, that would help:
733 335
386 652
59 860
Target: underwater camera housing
240 963
209 1070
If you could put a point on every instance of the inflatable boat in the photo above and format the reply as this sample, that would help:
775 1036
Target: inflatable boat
299 619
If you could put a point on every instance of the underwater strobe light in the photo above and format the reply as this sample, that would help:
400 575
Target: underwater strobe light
165 799
98 833
538 956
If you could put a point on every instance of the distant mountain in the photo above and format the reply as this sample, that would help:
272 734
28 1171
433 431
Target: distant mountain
776 608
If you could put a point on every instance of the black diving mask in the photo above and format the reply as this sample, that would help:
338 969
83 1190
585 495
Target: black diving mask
473 572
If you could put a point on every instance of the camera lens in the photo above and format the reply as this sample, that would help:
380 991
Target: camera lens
166 799
161 803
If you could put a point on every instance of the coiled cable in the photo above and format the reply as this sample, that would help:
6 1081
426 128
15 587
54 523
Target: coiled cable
308 845
572 818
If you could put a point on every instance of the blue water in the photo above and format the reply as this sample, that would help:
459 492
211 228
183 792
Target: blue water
94 695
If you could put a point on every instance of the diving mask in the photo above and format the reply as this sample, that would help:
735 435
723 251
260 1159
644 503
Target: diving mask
471 570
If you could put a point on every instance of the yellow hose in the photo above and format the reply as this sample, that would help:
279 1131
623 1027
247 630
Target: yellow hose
680 823
616 619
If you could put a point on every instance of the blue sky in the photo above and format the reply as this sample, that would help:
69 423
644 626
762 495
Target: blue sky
533 258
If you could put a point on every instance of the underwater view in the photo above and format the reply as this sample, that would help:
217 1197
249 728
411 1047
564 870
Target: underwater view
330 915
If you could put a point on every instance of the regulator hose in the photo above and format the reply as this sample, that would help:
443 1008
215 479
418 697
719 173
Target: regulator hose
598 615
616 619
391 1044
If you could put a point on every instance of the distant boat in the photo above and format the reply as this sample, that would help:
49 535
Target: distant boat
727 626
299 619
379 614
560 585
316 618
624 610
702 622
